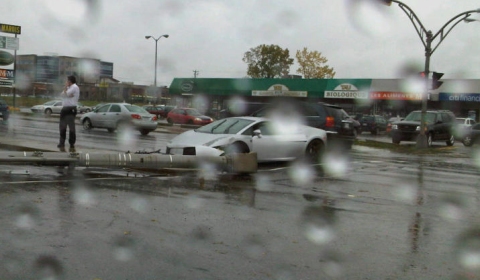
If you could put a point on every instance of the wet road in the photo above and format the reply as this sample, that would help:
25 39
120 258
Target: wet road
369 214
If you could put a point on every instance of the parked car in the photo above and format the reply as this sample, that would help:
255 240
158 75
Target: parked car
48 108
462 127
333 119
265 137
82 108
373 123
4 110
161 111
472 136
119 116
187 116
390 123
439 127
55 107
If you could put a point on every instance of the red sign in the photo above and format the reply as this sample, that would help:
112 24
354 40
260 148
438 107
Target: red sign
391 95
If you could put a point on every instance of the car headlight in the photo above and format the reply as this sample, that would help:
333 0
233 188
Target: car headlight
198 119
418 128
394 126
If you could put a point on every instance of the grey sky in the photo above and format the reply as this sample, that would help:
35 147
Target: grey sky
211 36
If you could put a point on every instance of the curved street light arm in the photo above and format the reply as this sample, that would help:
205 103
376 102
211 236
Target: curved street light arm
421 30
458 18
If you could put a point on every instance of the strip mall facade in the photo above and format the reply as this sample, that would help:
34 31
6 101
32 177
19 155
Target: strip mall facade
367 96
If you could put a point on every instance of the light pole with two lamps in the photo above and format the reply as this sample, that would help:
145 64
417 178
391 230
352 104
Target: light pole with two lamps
156 45
427 38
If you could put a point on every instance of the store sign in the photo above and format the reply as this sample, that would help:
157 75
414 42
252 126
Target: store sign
346 91
463 97
279 90
9 43
388 95
8 28
6 83
6 74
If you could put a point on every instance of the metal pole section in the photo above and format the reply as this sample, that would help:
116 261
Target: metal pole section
155 80
237 163
422 137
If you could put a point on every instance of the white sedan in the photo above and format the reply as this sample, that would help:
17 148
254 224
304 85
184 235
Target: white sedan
120 116
55 107
272 141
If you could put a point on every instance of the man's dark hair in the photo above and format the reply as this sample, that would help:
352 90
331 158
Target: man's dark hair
72 79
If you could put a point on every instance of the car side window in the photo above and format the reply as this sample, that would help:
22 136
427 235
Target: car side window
103 109
476 126
115 109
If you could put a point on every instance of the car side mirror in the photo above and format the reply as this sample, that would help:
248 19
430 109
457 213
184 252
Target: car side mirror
258 133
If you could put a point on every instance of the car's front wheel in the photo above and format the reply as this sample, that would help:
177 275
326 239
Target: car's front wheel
48 112
170 121
145 131
236 148
87 124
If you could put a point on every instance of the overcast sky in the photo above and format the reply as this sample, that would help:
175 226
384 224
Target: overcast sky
211 36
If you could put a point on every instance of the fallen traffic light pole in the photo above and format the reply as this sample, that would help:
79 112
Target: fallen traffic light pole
234 163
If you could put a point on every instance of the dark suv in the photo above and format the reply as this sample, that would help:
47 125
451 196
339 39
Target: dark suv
439 127
333 119
373 123
4 110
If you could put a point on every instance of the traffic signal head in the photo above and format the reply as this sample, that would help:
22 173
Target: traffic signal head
436 83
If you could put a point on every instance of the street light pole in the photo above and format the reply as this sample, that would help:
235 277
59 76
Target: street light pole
156 44
427 38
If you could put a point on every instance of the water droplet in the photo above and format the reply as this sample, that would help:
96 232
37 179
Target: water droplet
331 264
195 202
139 204
453 207
83 196
368 17
27 216
48 268
405 193
301 173
335 164
263 183
468 251
124 249
254 247
318 223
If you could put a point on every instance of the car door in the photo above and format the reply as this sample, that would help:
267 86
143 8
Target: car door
113 116
98 117
273 144
57 107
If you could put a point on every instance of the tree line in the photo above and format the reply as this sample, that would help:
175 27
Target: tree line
271 61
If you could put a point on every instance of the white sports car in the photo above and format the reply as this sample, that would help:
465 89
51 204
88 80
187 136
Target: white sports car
272 141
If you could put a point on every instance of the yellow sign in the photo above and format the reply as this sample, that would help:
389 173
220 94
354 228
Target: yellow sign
7 28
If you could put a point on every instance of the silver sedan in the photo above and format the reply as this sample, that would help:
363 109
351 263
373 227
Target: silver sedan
270 140
120 116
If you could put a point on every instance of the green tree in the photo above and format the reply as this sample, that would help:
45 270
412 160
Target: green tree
268 61
311 65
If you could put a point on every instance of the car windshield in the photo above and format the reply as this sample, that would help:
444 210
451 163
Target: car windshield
225 126
417 117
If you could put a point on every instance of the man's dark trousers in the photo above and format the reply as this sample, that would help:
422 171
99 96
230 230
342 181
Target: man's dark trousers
67 119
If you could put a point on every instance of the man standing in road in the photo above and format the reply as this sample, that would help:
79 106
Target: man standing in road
70 96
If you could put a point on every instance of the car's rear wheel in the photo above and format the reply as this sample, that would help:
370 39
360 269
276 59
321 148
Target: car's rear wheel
375 131
48 112
144 131
189 122
451 140
314 151
87 124
111 130
170 121
395 140
467 141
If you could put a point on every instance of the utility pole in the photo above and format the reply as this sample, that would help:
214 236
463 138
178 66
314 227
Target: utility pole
195 73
